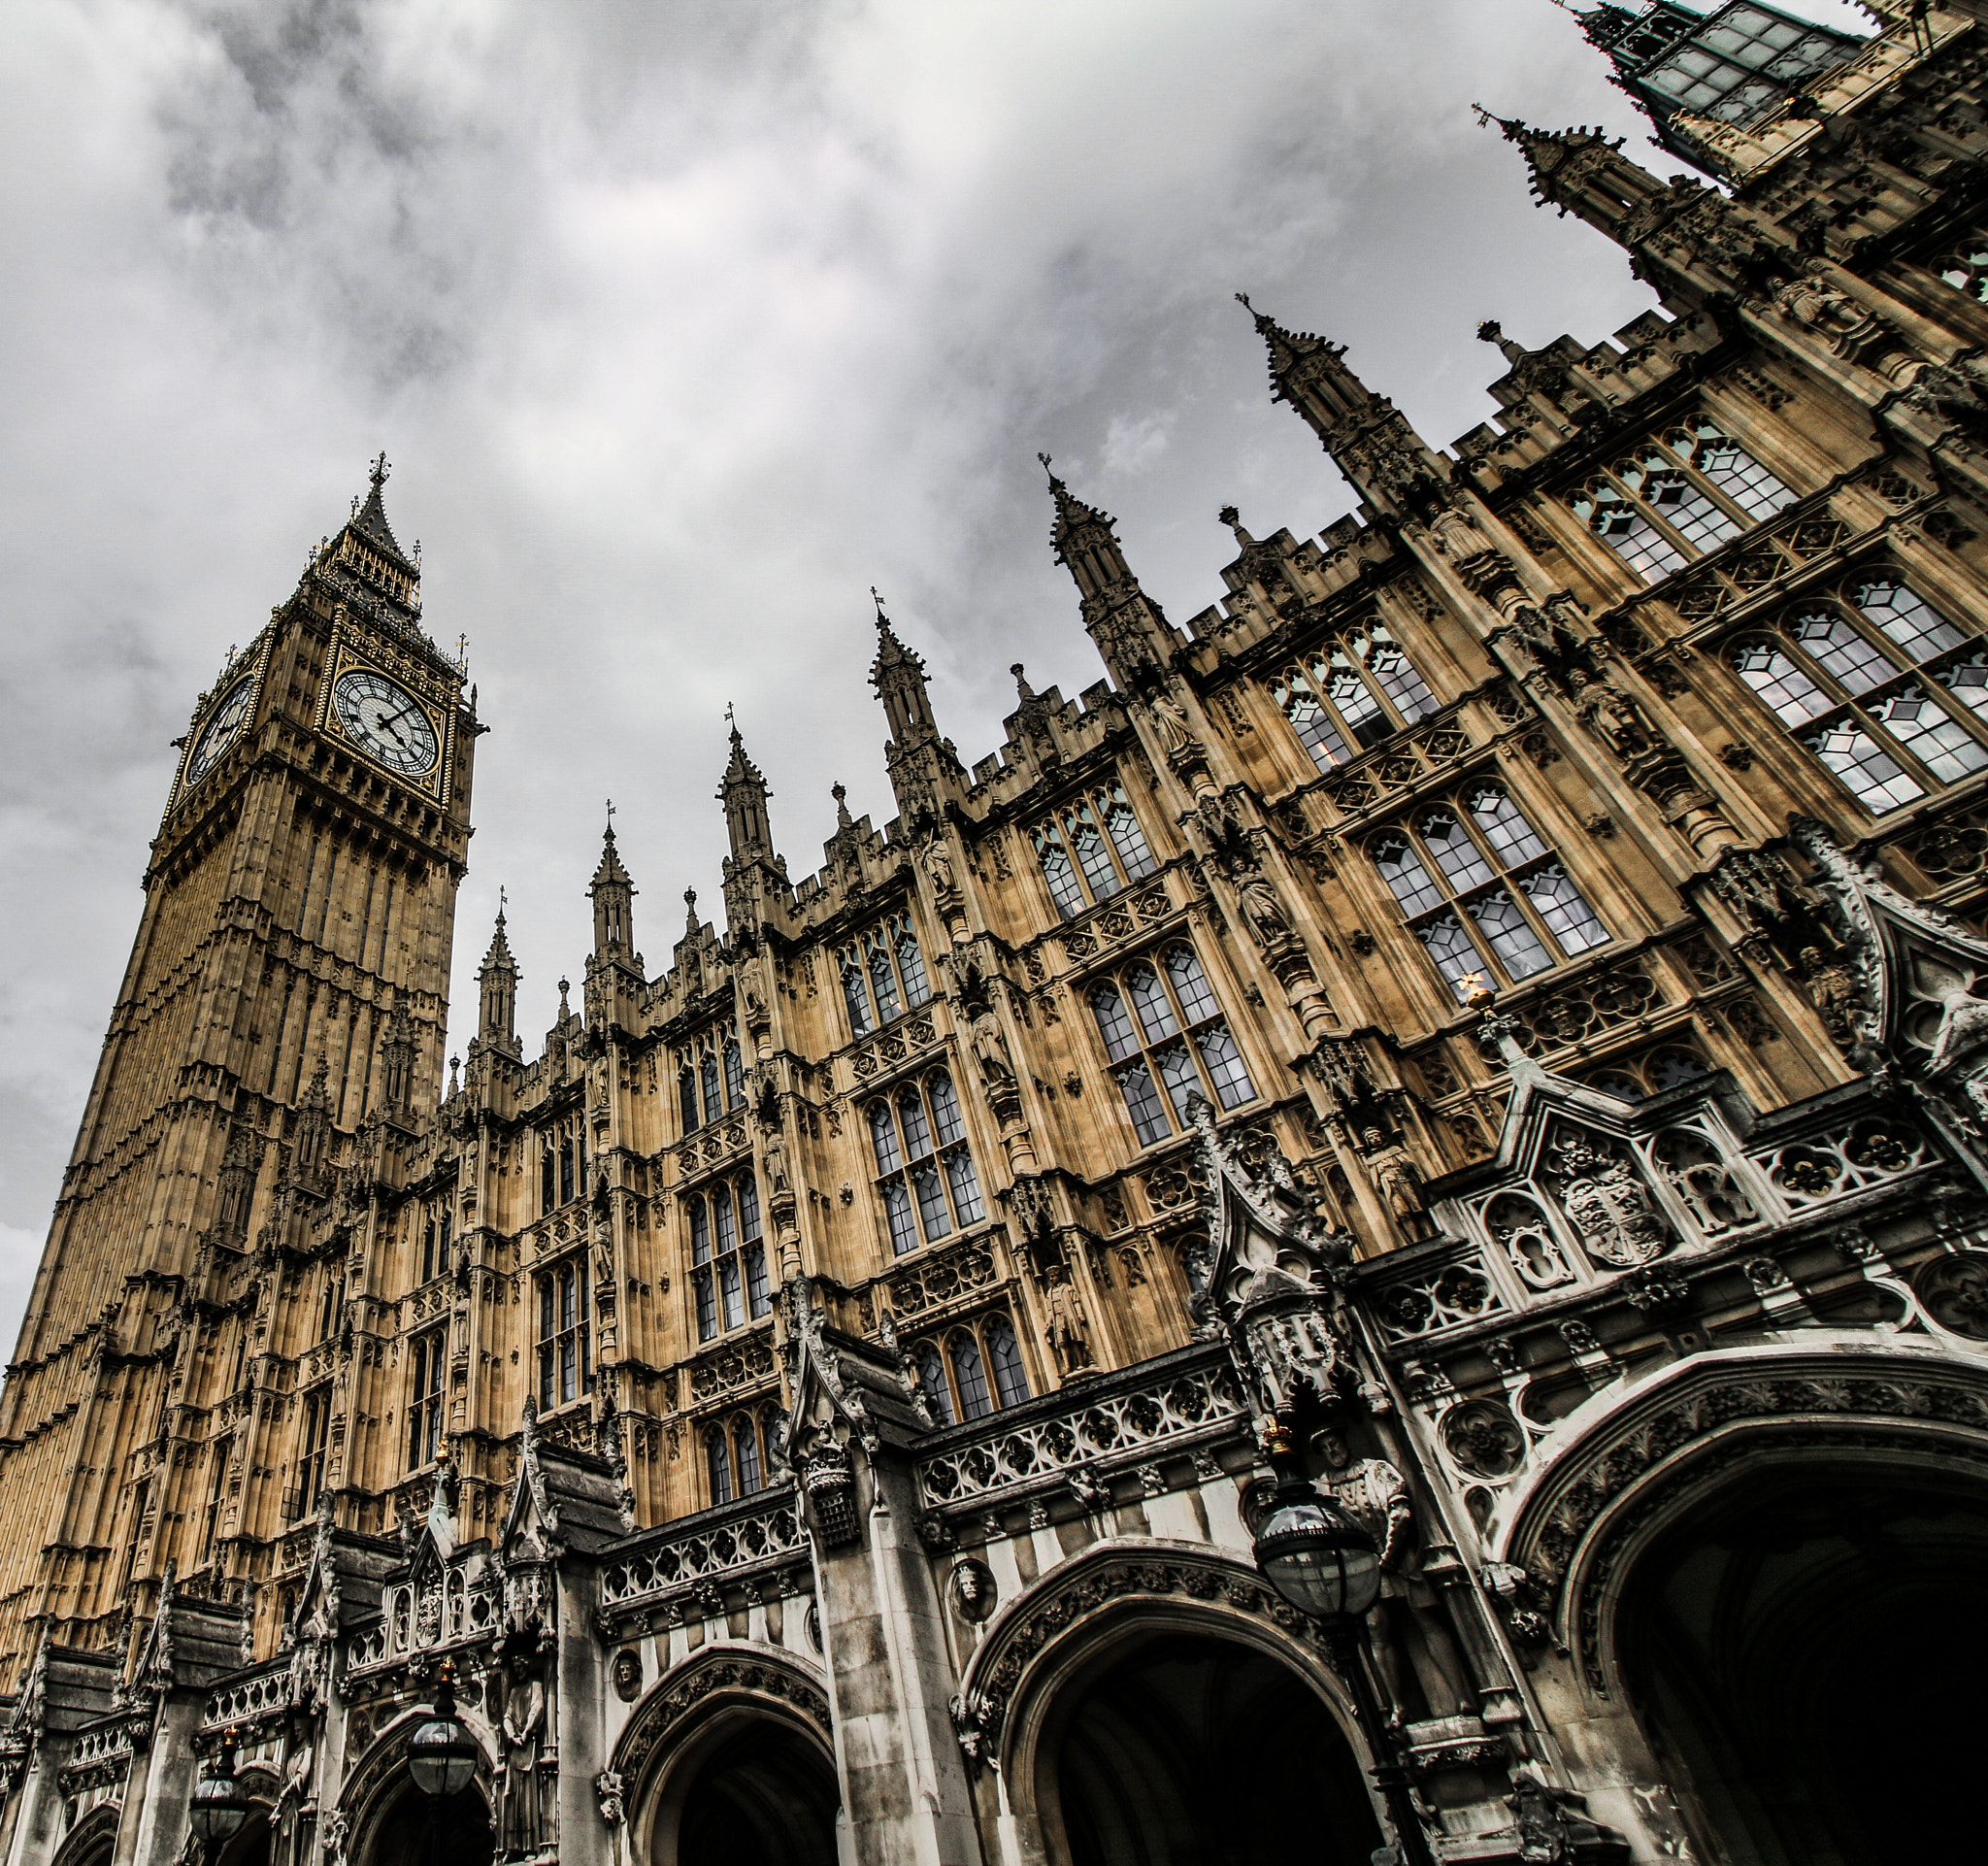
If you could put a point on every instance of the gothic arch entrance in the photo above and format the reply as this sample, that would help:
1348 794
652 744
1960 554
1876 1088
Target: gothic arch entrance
759 1794
414 1829
1183 1748
1805 1651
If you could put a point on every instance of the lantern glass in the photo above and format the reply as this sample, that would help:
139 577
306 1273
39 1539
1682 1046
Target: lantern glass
1316 1556
441 1758
218 1812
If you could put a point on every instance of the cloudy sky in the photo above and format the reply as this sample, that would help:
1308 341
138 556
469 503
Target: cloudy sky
682 324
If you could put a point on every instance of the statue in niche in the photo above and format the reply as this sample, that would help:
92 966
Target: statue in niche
990 1050
519 1825
1261 909
292 1798
1177 736
1832 989
1400 1187
1068 1332
1611 714
774 1157
939 870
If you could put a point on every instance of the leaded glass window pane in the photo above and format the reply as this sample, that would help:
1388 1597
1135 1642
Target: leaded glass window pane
729 1291
1155 1013
975 1402
1694 515
883 983
1114 1024
1872 774
707 1305
1177 1072
1060 876
911 1112
758 1298
686 1107
748 1209
1143 1103
1355 703
1931 734
932 1211
1462 863
1401 868
1518 948
1316 731
1390 665
1558 902
1089 847
735 1075
896 1212
1965 269
699 1233
910 963
933 1384
1968 681
1737 474
713 1103
1908 620
1459 961
1843 650
747 1440
720 1457
965 1184
1190 984
1129 840
883 1138
1625 530
1225 1066
1004 1353
945 1116
1769 672
724 1225
1511 837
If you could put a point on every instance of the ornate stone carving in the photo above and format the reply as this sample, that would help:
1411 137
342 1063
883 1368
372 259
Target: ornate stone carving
1618 1222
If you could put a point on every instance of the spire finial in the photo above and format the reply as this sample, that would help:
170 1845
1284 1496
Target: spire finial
1055 484
377 476
883 620
1021 686
611 819
839 792
503 900
690 904
731 720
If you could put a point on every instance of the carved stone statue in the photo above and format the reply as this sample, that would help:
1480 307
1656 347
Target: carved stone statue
939 870
773 1158
1400 1187
1070 1329
1262 912
287 1817
1833 991
1177 736
1611 1207
607 1789
519 1829
990 1050
1612 716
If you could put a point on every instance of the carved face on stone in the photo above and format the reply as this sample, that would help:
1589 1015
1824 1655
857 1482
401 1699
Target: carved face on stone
973 1589
627 1676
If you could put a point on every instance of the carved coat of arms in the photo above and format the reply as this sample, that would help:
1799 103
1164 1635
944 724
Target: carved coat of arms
1611 1207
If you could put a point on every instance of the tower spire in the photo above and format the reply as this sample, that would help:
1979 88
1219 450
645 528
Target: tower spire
613 894
899 677
744 793
1131 633
497 985
1369 440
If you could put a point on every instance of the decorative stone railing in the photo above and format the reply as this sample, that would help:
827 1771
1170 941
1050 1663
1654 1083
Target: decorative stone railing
1178 1403
249 1695
762 1531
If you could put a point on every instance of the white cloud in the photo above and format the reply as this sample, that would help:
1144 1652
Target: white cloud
1132 446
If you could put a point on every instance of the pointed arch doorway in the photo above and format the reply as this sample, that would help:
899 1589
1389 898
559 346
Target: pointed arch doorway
415 1829
1184 1749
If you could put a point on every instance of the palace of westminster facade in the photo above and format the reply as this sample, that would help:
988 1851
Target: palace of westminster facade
1503 993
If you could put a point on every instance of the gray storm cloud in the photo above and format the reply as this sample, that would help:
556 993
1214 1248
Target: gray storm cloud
682 326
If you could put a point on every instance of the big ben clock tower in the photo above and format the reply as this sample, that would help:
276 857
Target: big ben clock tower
287 988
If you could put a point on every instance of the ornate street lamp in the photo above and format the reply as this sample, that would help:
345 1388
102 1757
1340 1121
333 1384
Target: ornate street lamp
441 1755
1328 1567
219 1807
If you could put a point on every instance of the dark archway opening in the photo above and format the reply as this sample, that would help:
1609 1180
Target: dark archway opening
1195 1752
422 1830
1806 1657
764 1796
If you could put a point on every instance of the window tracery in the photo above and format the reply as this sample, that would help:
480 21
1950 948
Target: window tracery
728 1257
427 1354
1091 849
738 1455
1353 693
1877 686
1678 498
883 975
566 1367
710 1080
1484 892
1163 1027
924 1166
1966 267
970 1371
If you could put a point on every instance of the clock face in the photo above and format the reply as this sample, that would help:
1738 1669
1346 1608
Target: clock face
223 725
386 721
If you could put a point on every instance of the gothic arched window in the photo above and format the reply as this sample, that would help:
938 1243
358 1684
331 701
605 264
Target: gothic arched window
735 1075
1879 686
1092 848
924 1166
1484 894
1354 695
737 1455
687 1099
728 1257
954 1369
1965 267
426 1356
1161 1027
882 974
1678 497
566 1368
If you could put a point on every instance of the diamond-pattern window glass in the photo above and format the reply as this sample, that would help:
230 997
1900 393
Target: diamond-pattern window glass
924 1163
1900 689
1966 268
1487 896
1686 496
1091 849
1164 1032
883 975
1356 693
953 1372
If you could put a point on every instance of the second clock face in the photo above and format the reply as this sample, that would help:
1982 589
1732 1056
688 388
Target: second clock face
386 721
223 725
